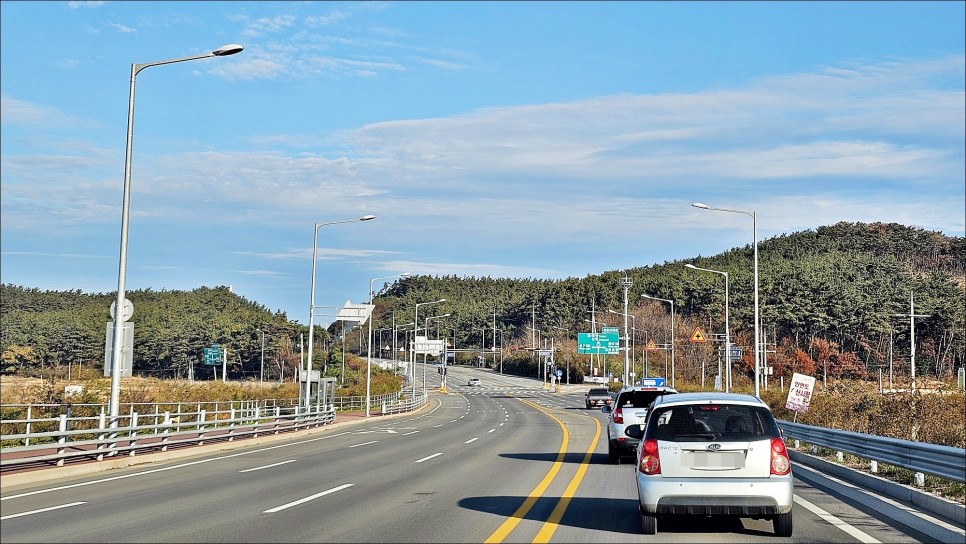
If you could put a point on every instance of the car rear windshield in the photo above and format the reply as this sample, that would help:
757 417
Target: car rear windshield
600 392
702 422
638 399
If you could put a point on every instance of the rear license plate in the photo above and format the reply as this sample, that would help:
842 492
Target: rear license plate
720 459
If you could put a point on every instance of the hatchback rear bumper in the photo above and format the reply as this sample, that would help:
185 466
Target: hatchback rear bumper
732 497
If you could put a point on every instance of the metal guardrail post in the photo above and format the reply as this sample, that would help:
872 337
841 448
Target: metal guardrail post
133 433
62 439
102 421
201 427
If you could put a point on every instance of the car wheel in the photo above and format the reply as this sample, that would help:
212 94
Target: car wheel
783 524
648 523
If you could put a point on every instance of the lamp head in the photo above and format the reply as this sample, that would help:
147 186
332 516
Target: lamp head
226 50
367 218
689 265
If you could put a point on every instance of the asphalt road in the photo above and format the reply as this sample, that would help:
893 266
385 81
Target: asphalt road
507 461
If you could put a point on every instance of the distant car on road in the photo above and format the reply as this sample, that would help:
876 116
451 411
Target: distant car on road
598 396
707 454
473 381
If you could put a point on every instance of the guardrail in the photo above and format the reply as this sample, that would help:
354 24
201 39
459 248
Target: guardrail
940 461
55 434
405 405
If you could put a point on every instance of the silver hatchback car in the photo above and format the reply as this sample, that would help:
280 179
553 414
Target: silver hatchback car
708 454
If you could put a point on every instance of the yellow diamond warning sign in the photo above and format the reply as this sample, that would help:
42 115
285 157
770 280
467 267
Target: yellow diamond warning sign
698 336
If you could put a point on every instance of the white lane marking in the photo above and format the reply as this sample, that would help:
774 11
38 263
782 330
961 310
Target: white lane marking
888 500
171 467
268 466
410 432
491 430
307 499
364 444
429 457
471 440
859 535
49 508
440 425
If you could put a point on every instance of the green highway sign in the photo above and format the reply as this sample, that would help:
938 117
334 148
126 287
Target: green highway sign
598 343
212 355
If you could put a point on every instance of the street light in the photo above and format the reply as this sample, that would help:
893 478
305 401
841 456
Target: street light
369 347
415 333
727 329
426 327
315 249
261 371
754 226
671 302
119 318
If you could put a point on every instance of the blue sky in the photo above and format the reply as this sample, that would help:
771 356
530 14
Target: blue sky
490 139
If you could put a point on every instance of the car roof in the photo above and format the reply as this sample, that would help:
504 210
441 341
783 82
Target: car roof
646 388
716 397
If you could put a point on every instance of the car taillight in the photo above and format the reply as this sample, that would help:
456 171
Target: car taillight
780 465
650 461
618 416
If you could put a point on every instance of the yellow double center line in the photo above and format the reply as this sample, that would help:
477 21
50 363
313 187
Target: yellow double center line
548 528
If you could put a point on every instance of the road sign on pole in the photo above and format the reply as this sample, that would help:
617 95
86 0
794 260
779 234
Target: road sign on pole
598 343
212 355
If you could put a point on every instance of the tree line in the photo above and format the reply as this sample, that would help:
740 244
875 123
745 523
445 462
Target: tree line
833 302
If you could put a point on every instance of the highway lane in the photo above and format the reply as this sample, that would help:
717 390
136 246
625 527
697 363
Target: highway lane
508 461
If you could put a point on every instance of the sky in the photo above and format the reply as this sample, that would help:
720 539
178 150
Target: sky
534 140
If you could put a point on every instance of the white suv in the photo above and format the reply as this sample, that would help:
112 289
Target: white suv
628 408
707 454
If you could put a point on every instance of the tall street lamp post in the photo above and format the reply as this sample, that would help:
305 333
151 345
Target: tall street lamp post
117 348
415 334
671 302
759 363
426 328
315 249
727 328
369 347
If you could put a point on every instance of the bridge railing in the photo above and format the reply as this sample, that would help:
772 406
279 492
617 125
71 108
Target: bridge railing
54 434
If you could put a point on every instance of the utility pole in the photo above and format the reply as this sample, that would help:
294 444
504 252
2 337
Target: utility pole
626 282
912 337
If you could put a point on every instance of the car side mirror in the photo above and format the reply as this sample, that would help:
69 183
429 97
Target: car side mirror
634 431
606 409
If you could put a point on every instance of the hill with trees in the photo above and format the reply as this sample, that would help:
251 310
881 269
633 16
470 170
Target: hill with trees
832 302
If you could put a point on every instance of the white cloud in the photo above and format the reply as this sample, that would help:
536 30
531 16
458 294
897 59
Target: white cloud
267 25
77 5
123 29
